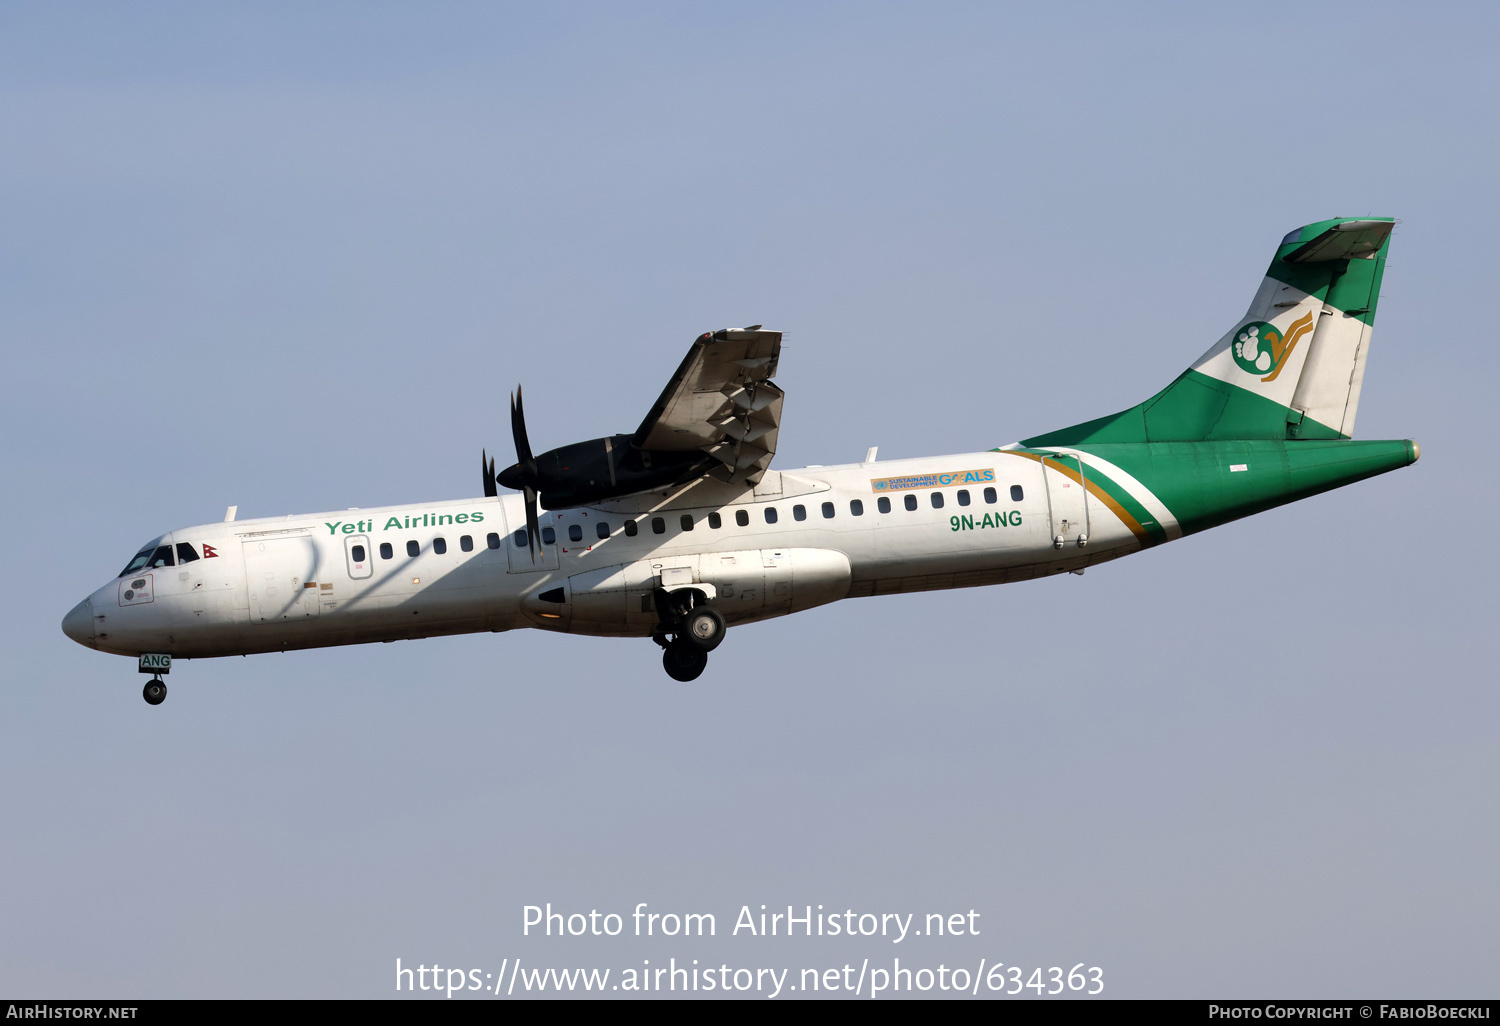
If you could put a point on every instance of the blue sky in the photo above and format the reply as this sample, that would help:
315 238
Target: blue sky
292 257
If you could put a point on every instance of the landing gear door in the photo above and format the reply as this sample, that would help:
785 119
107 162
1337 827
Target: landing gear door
776 565
739 582
1066 480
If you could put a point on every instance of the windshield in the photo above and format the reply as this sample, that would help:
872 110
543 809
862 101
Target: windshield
140 559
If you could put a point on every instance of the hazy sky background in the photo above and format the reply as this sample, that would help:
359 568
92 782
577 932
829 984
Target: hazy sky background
293 256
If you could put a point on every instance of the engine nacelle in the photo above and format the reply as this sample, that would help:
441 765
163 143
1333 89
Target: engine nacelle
584 473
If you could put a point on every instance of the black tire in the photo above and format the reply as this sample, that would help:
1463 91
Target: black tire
155 692
703 628
683 661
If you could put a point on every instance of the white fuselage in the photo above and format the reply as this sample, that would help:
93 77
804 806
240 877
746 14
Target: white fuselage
792 542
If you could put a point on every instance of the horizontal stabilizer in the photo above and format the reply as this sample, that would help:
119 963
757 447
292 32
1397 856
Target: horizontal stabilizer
1351 239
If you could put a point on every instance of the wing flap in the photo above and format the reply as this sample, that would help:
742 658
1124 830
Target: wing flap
722 402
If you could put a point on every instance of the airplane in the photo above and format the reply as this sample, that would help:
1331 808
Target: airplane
680 530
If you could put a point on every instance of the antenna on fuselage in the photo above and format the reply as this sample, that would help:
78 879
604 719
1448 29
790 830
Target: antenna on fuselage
229 514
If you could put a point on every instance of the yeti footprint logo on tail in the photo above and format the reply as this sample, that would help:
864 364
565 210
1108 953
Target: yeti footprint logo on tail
1252 346
1260 349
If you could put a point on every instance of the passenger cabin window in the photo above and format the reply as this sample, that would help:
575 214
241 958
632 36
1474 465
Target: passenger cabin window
413 548
937 500
770 514
883 504
963 496
658 525
827 511
519 539
631 527
686 521
856 508
357 553
601 530
911 501
466 543
161 557
186 553
989 496
715 521
1016 494
493 540
575 532
549 536
386 552
440 546
742 517
799 512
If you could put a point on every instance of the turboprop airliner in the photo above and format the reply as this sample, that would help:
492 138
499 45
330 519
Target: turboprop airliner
681 530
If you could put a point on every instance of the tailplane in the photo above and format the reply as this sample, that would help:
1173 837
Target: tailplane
1293 365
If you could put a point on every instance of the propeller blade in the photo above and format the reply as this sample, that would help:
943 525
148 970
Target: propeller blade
518 431
487 468
533 523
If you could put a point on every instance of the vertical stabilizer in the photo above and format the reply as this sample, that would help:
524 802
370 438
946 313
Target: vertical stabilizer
1293 365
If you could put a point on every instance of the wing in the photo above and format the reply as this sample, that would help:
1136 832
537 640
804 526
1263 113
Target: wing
721 401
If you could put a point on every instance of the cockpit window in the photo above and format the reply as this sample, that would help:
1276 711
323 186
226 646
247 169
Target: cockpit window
139 561
185 553
161 557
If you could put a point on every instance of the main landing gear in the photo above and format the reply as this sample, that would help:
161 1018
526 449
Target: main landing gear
696 630
155 691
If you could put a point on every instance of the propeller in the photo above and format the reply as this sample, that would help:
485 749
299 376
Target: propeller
523 476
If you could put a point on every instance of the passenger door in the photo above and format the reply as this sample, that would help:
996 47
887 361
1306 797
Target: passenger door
1066 480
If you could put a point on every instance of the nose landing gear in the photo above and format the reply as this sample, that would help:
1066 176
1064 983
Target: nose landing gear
155 691
697 630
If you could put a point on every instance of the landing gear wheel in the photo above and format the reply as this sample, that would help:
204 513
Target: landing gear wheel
703 628
155 692
683 661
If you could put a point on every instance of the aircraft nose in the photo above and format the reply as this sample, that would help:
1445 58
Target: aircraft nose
79 623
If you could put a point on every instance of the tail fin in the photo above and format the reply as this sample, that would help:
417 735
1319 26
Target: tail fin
1293 366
